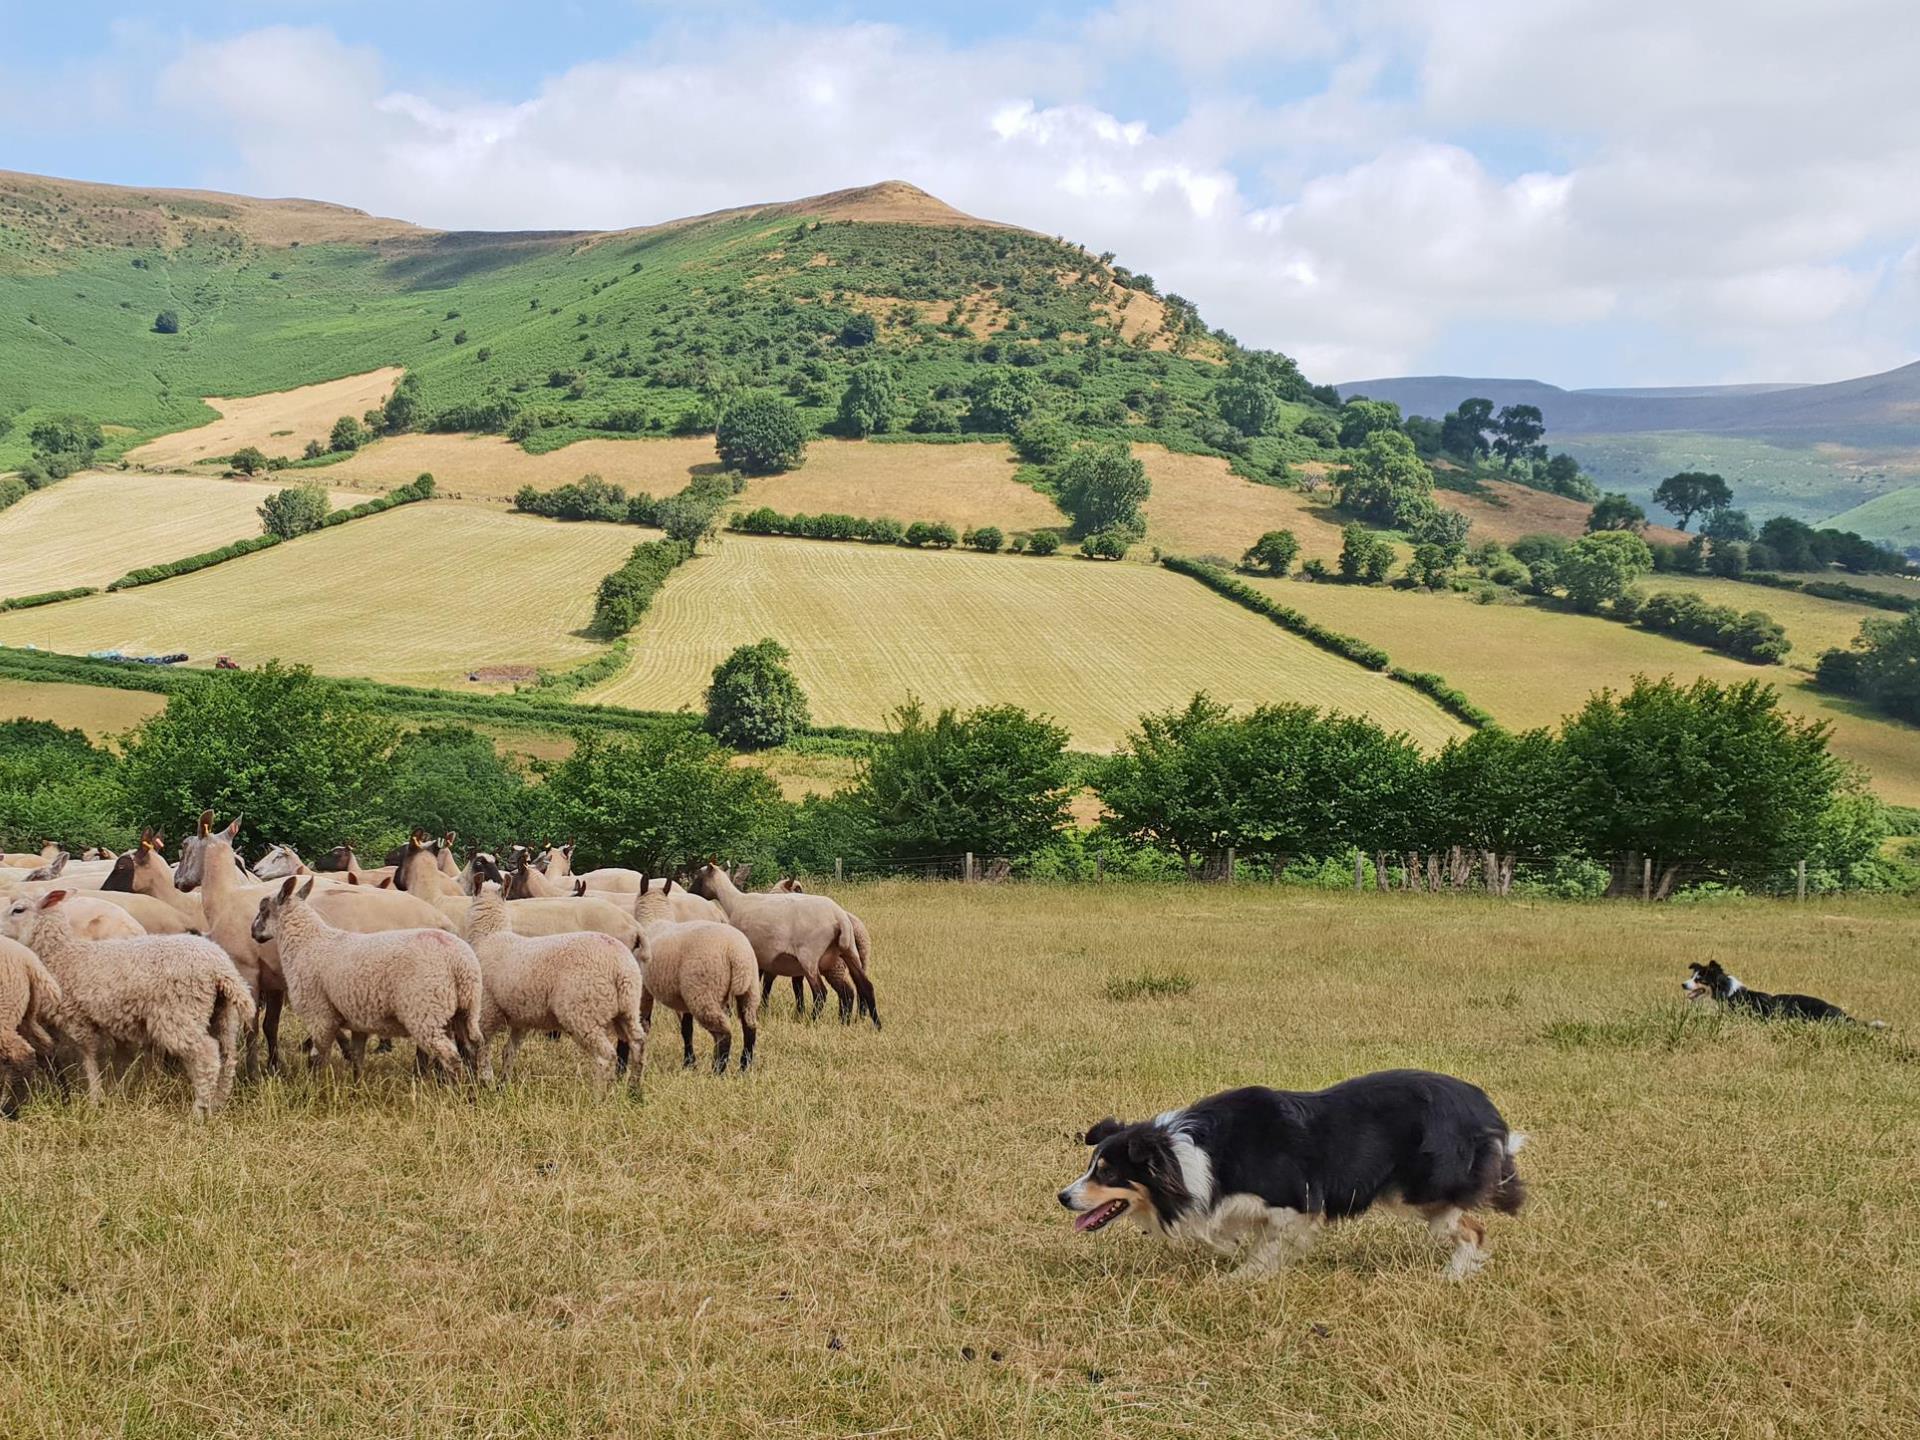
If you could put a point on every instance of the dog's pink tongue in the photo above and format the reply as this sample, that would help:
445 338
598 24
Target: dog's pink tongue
1087 1219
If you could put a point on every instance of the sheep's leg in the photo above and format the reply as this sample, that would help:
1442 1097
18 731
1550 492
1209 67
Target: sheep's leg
200 1057
766 986
228 1044
439 1045
353 1049
686 1041
799 998
322 1031
268 1018
749 1032
843 987
714 1022
512 1048
89 1046
819 988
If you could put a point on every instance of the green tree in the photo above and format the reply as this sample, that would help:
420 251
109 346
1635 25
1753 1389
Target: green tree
1274 552
57 785
1043 440
348 435
868 403
248 460
1882 667
1687 494
761 434
453 778
1704 780
1563 477
291 751
994 781
1518 430
1384 479
1615 512
1502 795
1361 418
988 538
999 400
167 322
1043 542
295 511
1109 544
656 801
1246 404
402 410
1463 433
1365 558
754 701
1103 487
1431 566
1597 568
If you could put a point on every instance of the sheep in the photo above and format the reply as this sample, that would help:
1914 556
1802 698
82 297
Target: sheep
27 860
685 905
419 873
91 917
177 992
423 984
28 993
696 968
805 935
789 885
584 983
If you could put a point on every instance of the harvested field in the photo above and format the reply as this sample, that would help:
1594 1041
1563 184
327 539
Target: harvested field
493 467
1507 511
964 485
307 413
1091 644
1531 666
93 528
1199 507
98 711
740 1258
422 594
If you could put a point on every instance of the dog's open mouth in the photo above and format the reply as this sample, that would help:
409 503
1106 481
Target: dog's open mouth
1090 1220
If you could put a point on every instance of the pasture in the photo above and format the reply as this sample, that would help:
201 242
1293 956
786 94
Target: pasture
861 1237
1813 624
423 594
1531 666
93 709
279 423
1091 644
93 528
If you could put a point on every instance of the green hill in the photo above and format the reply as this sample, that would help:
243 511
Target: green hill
555 336
1894 517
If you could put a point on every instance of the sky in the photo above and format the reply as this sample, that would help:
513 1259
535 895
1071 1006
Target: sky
1589 192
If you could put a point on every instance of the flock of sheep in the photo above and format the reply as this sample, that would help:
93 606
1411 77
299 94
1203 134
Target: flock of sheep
196 960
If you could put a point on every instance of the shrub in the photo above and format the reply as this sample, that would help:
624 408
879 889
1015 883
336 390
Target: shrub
588 498
295 511
1043 542
348 435
248 460
12 488
761 434
167 322
1365 558
1754 636
935 533
1273 552
1043 441
754 701
1596 568
986 537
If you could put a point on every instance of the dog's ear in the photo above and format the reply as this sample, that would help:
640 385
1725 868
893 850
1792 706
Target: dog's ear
1104 1129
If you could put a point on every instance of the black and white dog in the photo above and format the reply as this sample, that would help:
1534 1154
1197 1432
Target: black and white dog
1711 981
1273 1166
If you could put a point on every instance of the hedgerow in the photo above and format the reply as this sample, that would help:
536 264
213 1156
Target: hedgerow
626 593
47 597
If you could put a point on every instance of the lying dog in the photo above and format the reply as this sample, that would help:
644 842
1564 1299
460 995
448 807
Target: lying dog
1273 1166
1710 981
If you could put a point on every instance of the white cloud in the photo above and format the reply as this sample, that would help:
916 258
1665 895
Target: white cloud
1729 180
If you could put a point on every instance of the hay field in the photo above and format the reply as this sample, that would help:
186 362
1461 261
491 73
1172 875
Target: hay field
1091 644
1199 507
1531 666
964 485
862 1237
491 467
93 528
280 423
421 594
97 710
1813 624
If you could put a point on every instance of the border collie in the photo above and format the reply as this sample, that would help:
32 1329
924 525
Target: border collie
1273 1166
1711 981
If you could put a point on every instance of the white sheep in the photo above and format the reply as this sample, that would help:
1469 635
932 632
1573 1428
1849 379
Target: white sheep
423 985
28 995
584 983
179 993
697 968
797 935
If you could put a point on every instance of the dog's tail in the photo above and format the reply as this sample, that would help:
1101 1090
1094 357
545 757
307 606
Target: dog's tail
1509 1191
1877 1025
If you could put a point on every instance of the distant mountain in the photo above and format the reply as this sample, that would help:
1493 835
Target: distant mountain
1873 410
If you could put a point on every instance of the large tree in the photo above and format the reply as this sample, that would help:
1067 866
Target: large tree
1274 552
1504 796
761 434
1463 433
1361 417
1384 479
453 778
1103 487
754 700
1615 512
1704 780
1518 430
868 403
1245 403
1691 491
1598 568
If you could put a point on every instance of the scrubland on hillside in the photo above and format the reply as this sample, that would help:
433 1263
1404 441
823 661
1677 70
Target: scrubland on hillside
93 528
1093 644
861 1236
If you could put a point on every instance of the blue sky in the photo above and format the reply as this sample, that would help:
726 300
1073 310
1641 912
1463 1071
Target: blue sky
1590 193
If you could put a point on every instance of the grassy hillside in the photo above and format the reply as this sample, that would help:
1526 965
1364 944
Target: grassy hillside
637 332
98 711
1091 644
1894 516
810 1251
1531 666
92 529
423 594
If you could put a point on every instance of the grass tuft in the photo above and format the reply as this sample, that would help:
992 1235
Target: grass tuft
1149 985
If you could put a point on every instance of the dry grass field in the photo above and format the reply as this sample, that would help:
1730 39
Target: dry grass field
861 1238
421 594
280 423
1199 507
98 711
1507 510
491 467
964 485
1530 666
1091 644
94 528
1813 624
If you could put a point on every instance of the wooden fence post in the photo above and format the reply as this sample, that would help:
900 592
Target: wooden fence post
1800 881
1646 878
1227 879
1359 871
836 870
967 873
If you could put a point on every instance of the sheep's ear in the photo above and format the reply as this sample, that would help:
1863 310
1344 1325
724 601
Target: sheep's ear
579 887
206 821
305 890
159 839
52 898
233 829
667 887
450 837
386 882
644 882
286 888
1103 1129
352 878
417 839
146 835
